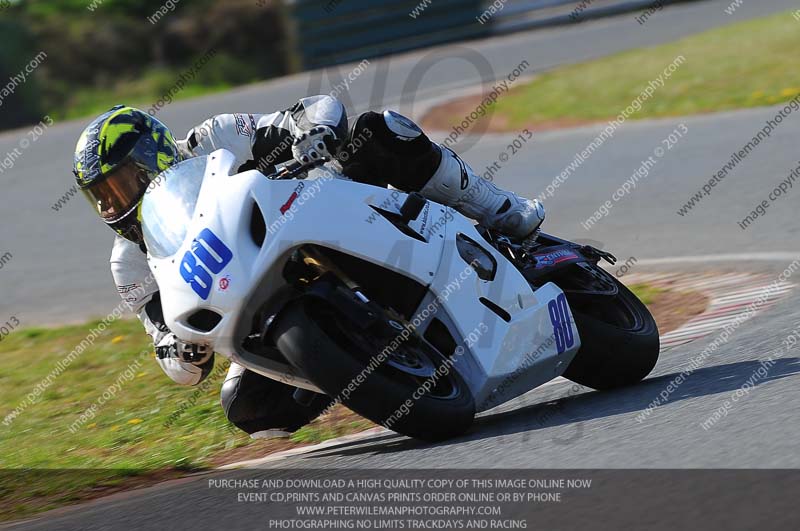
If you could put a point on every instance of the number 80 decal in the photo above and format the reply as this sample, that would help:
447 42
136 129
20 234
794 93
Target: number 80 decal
562 327
211 253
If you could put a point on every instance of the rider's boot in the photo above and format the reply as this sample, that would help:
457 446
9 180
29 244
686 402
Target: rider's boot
455 184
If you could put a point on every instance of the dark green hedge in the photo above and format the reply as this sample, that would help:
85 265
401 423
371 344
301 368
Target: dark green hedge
115 43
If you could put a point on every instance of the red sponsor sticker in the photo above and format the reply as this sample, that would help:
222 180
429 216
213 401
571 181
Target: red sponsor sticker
288 204
292 198
224 283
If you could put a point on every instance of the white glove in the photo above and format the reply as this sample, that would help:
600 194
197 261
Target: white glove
185 363
319 142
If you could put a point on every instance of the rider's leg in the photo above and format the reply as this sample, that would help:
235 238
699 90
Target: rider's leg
265 408
395 149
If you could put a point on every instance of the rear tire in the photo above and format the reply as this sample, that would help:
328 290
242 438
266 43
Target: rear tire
304 332
619 347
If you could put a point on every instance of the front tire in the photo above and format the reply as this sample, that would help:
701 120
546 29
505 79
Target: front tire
334 354
619 338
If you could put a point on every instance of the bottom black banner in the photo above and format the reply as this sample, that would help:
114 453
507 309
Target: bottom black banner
441 499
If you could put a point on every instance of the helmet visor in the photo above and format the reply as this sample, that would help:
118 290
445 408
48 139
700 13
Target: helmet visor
120 192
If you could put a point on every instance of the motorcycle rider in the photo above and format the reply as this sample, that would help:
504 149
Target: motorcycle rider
122 150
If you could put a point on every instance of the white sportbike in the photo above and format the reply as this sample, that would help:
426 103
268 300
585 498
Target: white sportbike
400 308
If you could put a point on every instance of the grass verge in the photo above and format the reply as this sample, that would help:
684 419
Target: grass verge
154 89
646 293
137 427
140 427
748 64
671 309
143 93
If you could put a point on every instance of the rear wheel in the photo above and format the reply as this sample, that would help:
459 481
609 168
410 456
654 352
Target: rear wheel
409 388
619 337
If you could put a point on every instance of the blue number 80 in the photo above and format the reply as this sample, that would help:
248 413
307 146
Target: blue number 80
197 276
562 327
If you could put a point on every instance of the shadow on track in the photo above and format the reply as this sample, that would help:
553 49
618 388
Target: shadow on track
549 412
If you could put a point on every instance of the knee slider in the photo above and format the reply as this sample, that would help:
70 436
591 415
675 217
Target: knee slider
394 132
401 127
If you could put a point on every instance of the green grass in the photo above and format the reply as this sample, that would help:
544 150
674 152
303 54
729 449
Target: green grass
127 431
217 72
747 64
142 93
126 437
319 432
646 293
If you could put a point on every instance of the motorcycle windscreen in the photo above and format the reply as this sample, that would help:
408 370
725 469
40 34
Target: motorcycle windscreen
169 206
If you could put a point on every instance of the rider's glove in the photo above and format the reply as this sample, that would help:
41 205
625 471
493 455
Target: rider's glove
319 142
185 363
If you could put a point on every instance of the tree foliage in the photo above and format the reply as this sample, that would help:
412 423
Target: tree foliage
105 44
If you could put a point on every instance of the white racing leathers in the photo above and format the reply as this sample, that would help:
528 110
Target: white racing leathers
258 141
263 140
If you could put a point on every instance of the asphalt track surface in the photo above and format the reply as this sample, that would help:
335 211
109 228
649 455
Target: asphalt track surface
59 273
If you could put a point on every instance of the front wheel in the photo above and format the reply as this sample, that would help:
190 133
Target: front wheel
405 386
619 337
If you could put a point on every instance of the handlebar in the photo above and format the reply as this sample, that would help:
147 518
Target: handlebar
293 168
